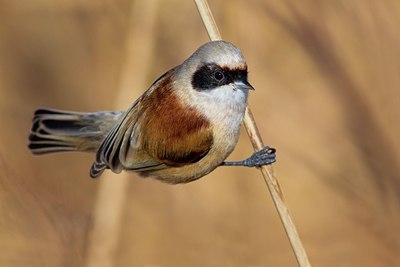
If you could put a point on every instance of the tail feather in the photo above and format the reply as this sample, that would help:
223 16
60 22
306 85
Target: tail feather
97 169
61 131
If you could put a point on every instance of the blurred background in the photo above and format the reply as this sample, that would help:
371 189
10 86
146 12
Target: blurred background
327 78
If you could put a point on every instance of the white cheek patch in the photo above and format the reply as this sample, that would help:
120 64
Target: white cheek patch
226 97
222 106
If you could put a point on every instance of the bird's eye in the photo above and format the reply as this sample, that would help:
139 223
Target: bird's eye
218 75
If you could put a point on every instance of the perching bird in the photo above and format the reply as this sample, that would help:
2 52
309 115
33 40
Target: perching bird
183 127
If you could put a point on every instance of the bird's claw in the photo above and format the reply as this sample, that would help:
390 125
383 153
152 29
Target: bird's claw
260 158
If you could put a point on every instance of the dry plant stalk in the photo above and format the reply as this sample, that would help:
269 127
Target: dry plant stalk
255 138
107 215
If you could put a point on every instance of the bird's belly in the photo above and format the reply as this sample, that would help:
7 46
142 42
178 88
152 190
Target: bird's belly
224 143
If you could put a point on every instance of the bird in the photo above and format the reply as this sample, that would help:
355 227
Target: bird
182 128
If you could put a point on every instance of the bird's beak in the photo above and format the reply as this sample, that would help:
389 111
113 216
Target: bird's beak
243 85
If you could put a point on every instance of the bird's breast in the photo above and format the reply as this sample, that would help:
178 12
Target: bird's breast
174 133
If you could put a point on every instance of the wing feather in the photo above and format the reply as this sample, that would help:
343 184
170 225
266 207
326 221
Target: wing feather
117 142
156 132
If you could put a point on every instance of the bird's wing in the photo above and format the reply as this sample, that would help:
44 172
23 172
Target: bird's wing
118 139
157 132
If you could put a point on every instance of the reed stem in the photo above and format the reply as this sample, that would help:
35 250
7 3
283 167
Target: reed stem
255 138
105 232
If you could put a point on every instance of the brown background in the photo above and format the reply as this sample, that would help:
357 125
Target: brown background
327 78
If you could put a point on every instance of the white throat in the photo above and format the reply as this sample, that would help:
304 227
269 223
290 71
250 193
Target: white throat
224 106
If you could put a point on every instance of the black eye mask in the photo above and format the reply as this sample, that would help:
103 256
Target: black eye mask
211 76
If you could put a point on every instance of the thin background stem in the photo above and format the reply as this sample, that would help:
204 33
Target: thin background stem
255 138
112 193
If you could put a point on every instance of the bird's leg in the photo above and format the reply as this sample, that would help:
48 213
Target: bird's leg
263 157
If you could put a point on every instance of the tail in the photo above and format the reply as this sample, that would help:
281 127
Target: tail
60 131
